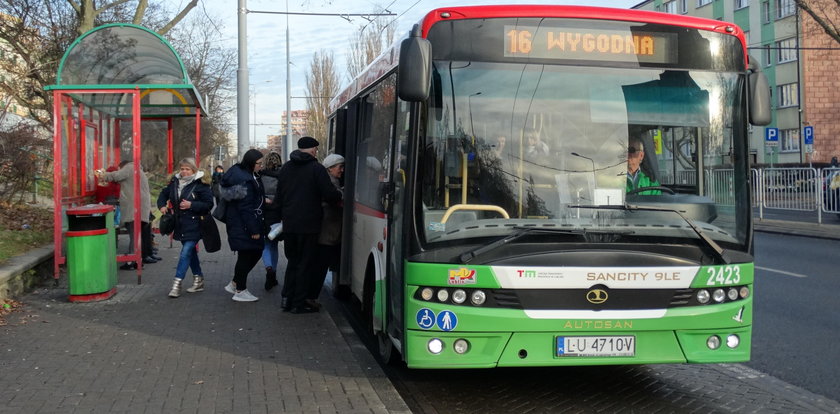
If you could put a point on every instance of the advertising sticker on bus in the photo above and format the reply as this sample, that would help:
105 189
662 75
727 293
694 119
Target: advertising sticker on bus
462 276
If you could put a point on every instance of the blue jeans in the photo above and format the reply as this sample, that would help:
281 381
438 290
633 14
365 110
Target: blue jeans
269 253
188 258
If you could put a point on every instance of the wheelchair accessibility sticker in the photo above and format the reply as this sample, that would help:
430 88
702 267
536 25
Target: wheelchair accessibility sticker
425 318
447 321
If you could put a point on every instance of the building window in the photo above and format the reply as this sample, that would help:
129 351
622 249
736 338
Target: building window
701 3
788 95
768 56
765 11
674 7
789 140
786 50
740 4
785 8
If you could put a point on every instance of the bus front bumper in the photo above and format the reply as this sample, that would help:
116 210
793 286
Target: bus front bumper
530 349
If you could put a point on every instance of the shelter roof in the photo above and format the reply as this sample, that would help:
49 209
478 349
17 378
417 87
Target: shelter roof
128 56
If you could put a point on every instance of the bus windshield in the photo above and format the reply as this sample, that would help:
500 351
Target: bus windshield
512 144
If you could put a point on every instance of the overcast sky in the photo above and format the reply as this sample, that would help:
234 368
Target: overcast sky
308 34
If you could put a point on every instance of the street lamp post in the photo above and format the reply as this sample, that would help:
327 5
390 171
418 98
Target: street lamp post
254 140
469 108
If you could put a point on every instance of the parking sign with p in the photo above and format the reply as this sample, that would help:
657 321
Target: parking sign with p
771 136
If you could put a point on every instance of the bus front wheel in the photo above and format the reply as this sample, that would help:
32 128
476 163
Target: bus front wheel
385 348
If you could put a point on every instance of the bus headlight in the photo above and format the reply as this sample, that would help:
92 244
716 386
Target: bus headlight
718 295
703 296
427 293
733 341
478 297
435 346
713 342
459 296
461 346
443 295
744 292
732 293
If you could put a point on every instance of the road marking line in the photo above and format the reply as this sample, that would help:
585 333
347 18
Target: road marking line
781 271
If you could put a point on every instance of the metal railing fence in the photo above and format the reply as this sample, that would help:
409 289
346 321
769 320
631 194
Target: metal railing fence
794 189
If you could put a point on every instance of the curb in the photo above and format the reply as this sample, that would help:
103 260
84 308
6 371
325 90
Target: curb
13 278
795 228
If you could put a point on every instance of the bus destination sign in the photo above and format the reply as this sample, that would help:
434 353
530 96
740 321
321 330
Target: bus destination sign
590 44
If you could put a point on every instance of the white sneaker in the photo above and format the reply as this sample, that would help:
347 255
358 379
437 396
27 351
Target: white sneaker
244 296
231 287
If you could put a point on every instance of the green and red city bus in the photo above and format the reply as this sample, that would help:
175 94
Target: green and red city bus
488 221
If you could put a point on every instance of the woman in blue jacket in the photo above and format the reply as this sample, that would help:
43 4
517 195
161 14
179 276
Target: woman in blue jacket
190 200
243 196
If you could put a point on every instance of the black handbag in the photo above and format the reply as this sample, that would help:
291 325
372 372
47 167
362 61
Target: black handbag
219 211
210 234
166 225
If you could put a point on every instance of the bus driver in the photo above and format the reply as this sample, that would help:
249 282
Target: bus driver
636 178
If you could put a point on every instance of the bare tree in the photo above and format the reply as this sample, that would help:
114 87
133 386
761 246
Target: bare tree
371 39
88 12
322 84
212 69
34 34
826 13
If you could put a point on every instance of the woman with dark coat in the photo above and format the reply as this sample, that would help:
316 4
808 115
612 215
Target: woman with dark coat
243 194
190 200
271 213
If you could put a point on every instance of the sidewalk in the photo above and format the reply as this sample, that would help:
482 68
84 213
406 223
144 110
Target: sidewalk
141 351
797 228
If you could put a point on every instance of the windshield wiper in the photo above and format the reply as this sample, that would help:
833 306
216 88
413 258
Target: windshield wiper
720 253
468 256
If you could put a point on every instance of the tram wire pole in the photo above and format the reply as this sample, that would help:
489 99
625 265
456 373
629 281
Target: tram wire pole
288 141
242 104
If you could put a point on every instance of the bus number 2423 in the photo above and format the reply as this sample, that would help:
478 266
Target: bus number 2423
723 275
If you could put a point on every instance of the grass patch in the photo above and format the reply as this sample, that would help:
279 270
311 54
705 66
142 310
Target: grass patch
22 228
13 243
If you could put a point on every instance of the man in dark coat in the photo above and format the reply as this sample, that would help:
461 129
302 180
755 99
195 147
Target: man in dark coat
302 184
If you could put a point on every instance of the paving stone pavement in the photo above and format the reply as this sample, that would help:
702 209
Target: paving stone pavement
143 352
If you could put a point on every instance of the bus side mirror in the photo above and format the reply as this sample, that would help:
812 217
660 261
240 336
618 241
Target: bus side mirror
414 73
759 99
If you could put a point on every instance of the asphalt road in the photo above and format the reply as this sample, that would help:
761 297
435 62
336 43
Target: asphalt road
796 334
796 329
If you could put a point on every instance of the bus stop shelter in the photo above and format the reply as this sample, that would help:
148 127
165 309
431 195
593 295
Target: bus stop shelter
110 81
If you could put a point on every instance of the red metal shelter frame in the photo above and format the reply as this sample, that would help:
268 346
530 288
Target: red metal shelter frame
102 82
104 141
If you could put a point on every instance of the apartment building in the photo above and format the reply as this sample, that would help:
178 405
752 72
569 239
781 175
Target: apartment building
800 61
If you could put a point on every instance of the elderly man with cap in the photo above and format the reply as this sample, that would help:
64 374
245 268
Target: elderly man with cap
302 185
329 241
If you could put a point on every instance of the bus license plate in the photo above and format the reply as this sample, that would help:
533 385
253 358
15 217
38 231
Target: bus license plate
596 346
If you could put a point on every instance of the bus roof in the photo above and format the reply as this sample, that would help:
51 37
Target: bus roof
388 60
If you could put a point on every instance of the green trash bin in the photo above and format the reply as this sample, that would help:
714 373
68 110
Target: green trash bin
91 253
